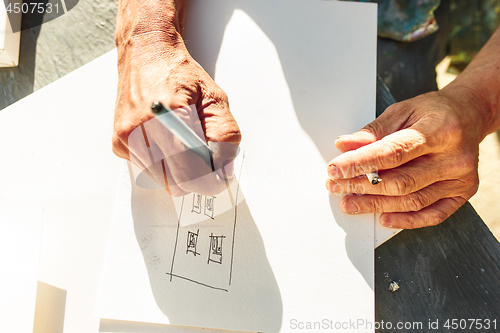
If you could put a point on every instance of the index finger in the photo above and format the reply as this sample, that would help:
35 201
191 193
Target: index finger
189 171
390 152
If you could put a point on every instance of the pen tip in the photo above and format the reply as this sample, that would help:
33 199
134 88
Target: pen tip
156 107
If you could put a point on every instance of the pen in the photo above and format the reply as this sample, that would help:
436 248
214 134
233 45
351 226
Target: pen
183 132
373 178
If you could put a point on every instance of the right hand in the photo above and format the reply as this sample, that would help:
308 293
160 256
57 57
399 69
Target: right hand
152 69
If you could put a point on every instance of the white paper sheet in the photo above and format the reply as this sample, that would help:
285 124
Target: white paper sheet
56 155
20 237
298 74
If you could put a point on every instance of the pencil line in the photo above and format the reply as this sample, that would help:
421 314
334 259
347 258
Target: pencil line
235 218
203 284
176 238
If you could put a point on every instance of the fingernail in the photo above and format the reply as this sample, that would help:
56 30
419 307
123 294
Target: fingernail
387 221
350 207
334 172
343 137
333 187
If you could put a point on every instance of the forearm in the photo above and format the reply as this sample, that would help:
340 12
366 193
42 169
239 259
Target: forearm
149 21
479 83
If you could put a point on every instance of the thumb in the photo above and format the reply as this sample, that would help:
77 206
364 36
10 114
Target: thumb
387 123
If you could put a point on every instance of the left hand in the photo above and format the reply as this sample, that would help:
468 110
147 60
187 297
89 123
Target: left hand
426 151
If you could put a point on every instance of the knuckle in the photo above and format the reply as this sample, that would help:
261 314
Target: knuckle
411 222
451 129
403 184
391 109
459 202
373 205
472 184
185 62
236 136
121 133
214 95
222 96
436 218
185 89
373 127
469 185
468 162
227 132
392 155
233 137
416 201
396 153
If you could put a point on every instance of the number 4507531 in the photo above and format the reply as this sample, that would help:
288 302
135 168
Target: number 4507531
32 7
454 324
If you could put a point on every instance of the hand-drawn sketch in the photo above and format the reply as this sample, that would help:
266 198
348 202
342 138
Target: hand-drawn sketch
215 252
192 240
209 206
196 203
207 201
210 234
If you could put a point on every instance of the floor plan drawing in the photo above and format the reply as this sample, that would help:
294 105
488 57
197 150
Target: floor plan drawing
203 248
192 240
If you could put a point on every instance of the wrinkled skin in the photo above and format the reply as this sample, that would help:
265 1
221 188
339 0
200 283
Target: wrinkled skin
427 157
425 149
155 65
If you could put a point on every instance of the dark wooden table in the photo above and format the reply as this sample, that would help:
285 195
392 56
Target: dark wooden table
450 271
